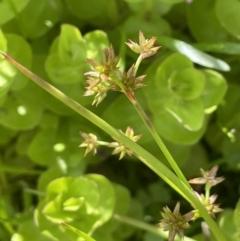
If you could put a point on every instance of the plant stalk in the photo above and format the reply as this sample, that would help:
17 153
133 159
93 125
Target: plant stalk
147 158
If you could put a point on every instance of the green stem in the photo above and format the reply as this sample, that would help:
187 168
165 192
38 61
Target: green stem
207 191
152 130
145 226
160 143
138 62
152 162
103 143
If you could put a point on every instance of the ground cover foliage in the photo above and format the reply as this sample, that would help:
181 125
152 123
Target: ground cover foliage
48 189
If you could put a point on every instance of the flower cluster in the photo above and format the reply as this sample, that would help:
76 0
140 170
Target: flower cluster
120 148
145 47
175 223
91 143
107 76
209 179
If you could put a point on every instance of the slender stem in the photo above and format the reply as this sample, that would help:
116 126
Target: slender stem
145 226
34 192
152 162
153 131
138 62
103 143
160 143
207 191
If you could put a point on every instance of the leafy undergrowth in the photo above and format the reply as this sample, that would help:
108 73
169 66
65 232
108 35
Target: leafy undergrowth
48 189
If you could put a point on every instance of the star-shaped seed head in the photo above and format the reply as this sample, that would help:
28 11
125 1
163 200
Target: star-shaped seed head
145 46
174 222
120 148
208 177
208 203
90 141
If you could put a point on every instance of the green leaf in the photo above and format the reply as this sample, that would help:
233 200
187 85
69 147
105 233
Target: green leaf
236 216
123 198
78 232
73 204
172 119
205 27
189 113
214 91
21 111
9 77
143 7
41 148
6 135
19 49
44 14
192 53
3 42
220 47
228 13
64 72
107 198
96 42
67 62
226 223
187 84
7 73
71 46
84 9
10 9
172 1
93 194
28 230
177 72
153 26
232 103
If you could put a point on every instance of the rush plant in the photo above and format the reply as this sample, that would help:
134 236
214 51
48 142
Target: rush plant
84 209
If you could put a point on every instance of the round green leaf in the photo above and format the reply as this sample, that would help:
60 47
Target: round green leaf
157 94
189 113
71 48
174 63
226 223
7 74
96 195
39 17
96 42
20 112
228 13
29 230
230 107
172 1
63 72
107 197
6 135
9 9
214 90
157 6
205 27
150 27
20 50
3 42
171 129
41 148
84 9
187 84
